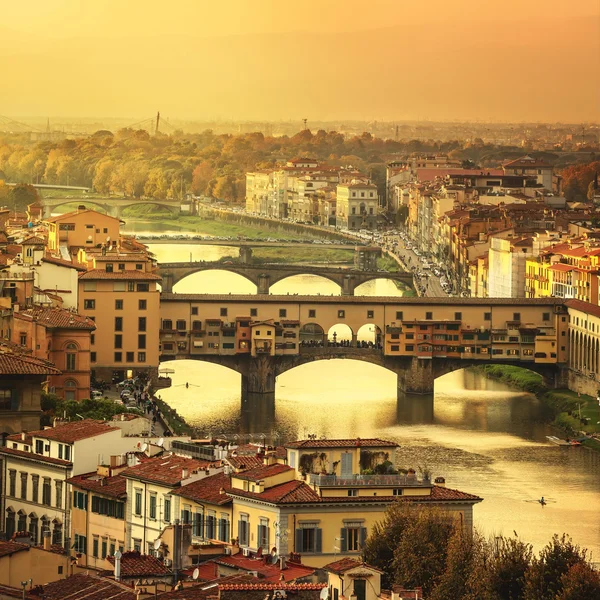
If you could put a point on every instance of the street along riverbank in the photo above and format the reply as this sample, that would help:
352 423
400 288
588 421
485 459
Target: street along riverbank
572 413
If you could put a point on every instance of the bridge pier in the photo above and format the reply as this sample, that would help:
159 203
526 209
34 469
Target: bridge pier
264 283
246 254
416 376
167 283
348 285
258 379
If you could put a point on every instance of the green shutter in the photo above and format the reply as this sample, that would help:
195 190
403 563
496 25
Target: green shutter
14 399
343 540
318 540
298 546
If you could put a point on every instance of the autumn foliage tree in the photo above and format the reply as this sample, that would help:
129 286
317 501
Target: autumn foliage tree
577 180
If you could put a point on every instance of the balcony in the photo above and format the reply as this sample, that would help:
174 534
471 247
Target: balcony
367 480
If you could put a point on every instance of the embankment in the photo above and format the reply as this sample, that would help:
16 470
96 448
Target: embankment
575 414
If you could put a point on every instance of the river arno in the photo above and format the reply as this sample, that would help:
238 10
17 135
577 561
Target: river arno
483 437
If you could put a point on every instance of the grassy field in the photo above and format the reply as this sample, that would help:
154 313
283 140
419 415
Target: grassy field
573 412
310 254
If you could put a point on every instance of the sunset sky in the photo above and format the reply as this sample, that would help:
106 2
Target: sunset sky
517 60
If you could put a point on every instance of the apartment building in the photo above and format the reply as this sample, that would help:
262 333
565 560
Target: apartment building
121 296
533 167
357 206
83 228
150 486
22 378
61 337
323 505
36 467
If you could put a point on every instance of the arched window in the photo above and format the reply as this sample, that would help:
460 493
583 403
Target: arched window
10 523
33 527
22 525
70 389
56 532
71 357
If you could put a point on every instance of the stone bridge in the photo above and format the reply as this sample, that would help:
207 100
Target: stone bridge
415 376
264 276
112 206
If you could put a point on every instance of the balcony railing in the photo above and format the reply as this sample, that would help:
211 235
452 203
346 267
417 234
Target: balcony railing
367 480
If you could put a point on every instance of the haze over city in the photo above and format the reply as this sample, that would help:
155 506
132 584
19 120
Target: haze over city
536 60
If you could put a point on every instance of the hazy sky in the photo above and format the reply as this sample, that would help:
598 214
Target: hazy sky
330 59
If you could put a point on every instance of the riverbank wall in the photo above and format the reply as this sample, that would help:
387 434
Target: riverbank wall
575 412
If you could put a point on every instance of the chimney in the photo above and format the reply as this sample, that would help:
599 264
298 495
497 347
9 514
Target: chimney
118 565
185 473
281 563
23 436
47 540
440 482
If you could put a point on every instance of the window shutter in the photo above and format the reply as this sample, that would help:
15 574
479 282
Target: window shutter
343 540
363 537
241 532
196 527
318 540
227 535
298 546
14 399
85 497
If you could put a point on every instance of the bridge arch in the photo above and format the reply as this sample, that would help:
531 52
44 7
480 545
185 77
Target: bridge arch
378 278
52 206
336 279
181 275
311 333
146 202
340 332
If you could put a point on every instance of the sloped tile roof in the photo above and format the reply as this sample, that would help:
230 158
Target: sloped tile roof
35 457
291 492
245 461
263 471
63 263
59 318
88 587
135 564
586 307
347 564
15 362
120 275
74 431
363 443
167 469
8 548
268 572
114 487
207 489
203 591
288 587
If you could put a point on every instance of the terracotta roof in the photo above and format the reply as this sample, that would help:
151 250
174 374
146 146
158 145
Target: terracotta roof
107 486
134 564
245 461
363 443
288 587
586 307
34 240
438 494
8 548
291 492
166 469
88 587
13 362
35 457
59 318
63 263
267 572
74 431
207 489
525 161
202 591
121 275
74 213
347 564
263 471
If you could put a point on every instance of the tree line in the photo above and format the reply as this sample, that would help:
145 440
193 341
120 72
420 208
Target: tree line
418 547
134 163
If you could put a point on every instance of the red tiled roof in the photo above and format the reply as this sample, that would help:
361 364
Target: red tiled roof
63 263
121 275
347 564
36 457
114 487
166 469
74 213
13 362
438 494
8 548
363 443
202 591
288 587
207 489
263 471
291 492
245 461
267 572
134 564
59 318
88 587
525 161
586 307
74 431
34 240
